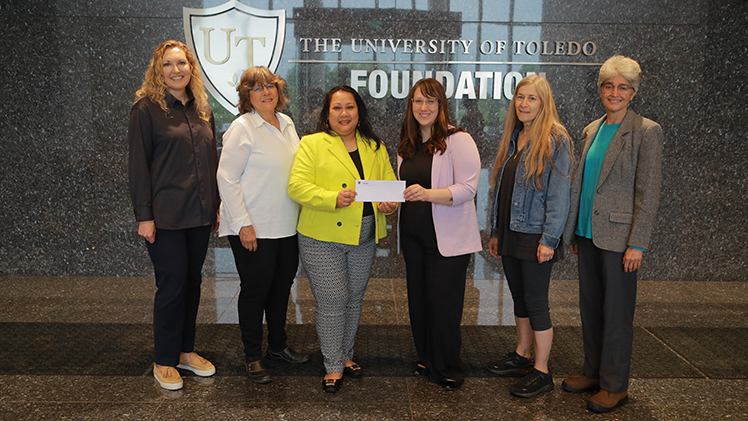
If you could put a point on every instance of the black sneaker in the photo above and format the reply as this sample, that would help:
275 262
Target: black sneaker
512 365
533 384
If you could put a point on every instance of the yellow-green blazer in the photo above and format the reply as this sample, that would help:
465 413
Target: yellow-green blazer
322 167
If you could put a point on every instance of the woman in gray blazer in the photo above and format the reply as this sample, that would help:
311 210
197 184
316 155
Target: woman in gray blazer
614 200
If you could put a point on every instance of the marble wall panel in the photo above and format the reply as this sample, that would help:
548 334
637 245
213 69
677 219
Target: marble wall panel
71 67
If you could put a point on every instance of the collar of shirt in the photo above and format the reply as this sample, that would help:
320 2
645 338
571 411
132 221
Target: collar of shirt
258 121
171 101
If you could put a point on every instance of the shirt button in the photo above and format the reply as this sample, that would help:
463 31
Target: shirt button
340 224
516 203
596 213
345 185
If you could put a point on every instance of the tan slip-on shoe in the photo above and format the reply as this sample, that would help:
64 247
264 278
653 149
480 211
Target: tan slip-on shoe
198 365
167 377
581 384
604 401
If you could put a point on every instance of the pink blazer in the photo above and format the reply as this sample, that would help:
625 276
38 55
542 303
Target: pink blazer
458 170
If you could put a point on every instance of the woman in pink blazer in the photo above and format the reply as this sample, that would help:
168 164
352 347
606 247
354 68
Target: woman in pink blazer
437 227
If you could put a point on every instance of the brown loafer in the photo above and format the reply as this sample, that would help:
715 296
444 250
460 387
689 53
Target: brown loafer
580 384
604 401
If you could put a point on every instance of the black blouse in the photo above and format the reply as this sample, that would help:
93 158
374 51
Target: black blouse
172 164
356 158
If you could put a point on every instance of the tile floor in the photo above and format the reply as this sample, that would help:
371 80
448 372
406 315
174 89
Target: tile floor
79 348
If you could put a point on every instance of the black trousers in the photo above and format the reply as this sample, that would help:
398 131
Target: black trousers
607 300
529 281
436 294
177 257
266 275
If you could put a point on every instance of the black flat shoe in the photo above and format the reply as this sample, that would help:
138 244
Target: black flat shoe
449 385
288 355
420 371
332 385
257 372
353 371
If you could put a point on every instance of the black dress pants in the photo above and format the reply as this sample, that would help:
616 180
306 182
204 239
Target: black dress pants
436 294
177 257
266 275
607 300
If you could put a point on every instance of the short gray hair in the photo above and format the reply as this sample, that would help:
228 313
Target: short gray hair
620 65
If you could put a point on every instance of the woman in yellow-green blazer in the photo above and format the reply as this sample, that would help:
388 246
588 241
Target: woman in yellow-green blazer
322 168
337 235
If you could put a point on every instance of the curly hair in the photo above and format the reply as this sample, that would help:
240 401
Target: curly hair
260 75
544 129
154 85
364 126
410 132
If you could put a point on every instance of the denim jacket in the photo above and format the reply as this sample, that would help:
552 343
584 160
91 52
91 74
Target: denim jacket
538 211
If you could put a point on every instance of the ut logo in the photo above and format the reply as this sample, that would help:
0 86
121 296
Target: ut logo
230 38
237 41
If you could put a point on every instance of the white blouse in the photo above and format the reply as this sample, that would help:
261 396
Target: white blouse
253 175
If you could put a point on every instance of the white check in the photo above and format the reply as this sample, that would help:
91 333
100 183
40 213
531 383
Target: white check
379 191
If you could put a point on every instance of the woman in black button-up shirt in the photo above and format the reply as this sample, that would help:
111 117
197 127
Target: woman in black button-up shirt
172 169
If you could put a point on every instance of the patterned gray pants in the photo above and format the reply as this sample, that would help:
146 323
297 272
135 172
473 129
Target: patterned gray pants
338 275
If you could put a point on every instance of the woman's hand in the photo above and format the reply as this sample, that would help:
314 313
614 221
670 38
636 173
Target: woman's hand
147 230
416 193
248 238
573 249
545 254
387 207
493 247
345 198
632 259
214 227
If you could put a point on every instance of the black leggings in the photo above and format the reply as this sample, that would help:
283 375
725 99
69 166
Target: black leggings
529 280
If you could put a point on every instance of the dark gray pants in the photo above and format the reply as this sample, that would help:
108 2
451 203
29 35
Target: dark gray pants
607 299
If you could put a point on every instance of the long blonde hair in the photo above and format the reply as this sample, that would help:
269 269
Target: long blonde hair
154 85
544 129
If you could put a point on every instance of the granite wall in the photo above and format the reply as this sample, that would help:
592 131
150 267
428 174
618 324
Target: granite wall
70 69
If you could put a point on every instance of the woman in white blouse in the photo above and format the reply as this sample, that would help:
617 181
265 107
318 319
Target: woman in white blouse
258 217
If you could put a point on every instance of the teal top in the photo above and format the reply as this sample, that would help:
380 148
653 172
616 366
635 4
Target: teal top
593 164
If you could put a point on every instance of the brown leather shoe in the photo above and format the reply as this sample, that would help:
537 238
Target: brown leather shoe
604 401
581 384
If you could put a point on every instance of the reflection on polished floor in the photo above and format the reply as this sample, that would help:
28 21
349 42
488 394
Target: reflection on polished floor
81 348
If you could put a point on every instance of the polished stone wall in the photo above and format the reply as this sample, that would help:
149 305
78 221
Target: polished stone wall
71 67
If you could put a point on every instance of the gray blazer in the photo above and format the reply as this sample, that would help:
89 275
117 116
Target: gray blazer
624 208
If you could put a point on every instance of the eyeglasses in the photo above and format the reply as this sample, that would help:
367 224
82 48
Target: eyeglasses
430 102
260 88
622 89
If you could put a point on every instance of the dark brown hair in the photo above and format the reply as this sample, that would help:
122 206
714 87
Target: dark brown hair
410 133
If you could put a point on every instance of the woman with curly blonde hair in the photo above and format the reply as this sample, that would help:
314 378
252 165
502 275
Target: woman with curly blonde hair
531 180
155 86
172 171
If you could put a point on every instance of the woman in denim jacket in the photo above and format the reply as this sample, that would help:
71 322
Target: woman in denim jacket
531 181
